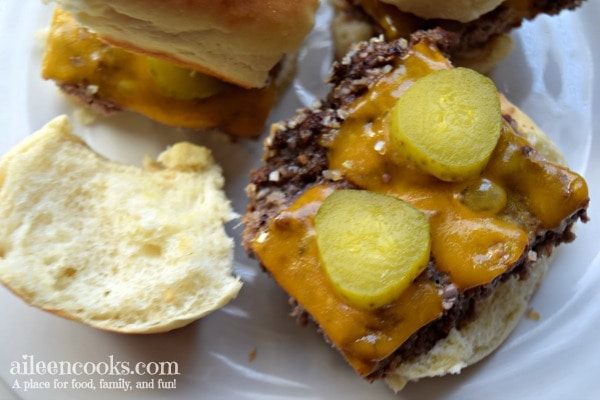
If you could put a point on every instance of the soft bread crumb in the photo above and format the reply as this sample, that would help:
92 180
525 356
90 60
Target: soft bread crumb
252 355
532 315
85 116
114 246
41 37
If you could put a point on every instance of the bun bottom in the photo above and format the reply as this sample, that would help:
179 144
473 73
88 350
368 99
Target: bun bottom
497 316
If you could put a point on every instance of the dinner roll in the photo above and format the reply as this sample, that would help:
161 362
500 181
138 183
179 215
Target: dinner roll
114 246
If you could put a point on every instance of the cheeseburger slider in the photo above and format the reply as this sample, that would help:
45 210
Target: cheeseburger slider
481 25
411 213
197 64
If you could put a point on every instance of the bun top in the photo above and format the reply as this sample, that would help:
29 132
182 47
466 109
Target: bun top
115 246
239 42
458 10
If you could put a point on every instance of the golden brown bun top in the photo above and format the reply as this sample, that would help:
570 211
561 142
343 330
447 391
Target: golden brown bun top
458 10
238 41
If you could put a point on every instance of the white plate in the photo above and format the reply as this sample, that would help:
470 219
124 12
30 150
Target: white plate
252 349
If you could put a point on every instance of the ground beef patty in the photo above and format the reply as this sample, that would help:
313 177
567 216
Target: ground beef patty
296 160
293 152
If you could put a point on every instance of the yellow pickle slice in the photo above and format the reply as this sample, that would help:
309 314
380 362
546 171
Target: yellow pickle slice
448 123
372 245
181 83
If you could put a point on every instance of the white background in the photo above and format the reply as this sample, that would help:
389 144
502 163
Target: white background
551 74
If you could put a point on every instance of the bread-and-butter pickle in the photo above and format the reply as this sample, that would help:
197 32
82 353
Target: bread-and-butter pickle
447 123
182 83
372 246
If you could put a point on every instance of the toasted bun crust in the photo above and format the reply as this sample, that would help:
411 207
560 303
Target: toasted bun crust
458 10
239 44
113 246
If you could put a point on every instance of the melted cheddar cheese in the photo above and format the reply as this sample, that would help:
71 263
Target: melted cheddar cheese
76 56
518 195
290 253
